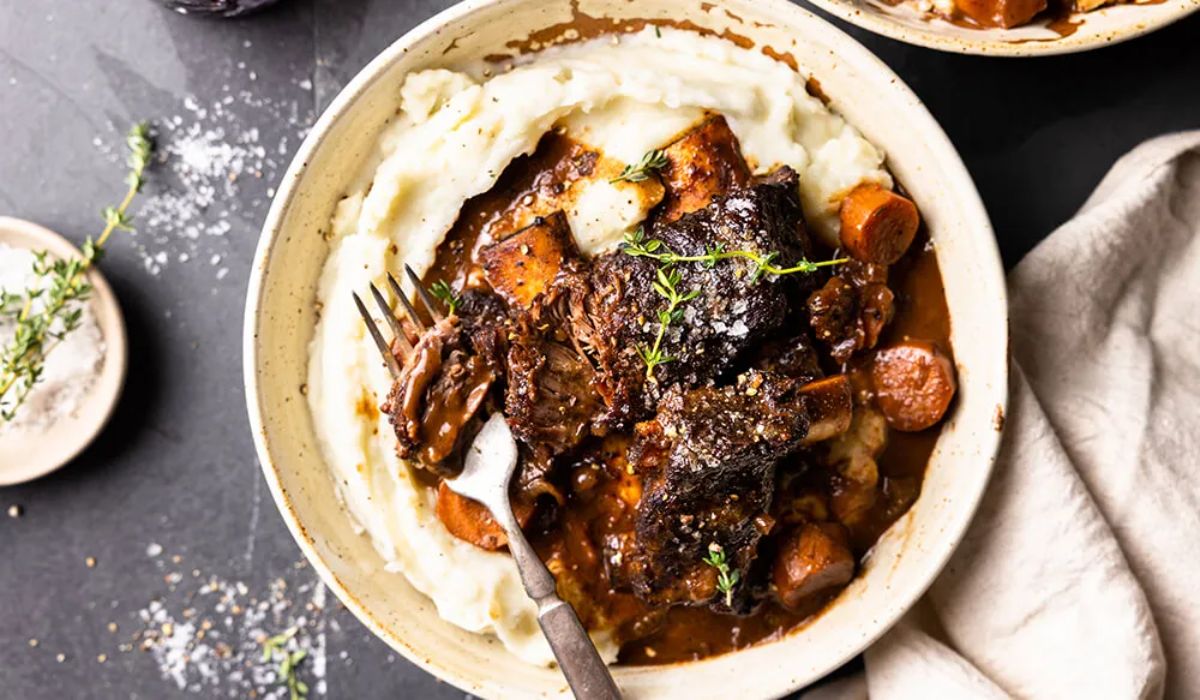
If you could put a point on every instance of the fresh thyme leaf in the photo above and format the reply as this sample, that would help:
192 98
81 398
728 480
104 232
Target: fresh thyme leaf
10 304
652 161
667 279
61 286
276 648
276 643
140 148
666 285
442 291
637 245
726 579
297 689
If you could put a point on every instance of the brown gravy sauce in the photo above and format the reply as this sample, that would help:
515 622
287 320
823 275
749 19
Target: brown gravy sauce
551 168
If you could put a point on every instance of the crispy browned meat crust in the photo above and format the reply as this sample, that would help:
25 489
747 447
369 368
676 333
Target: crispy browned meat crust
708 466
702 164
733 312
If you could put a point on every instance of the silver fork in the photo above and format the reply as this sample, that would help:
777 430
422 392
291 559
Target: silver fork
488 468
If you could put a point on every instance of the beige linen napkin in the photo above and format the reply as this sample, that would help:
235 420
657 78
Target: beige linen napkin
1080 575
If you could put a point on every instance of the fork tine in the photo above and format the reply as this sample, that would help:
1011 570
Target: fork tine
388 358
393 322
430 304
412 310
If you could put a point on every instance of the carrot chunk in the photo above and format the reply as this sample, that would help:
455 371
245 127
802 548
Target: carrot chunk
812 559
1000 13
471 521
914 384
878 225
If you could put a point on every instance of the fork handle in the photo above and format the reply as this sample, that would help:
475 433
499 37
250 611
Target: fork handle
586 672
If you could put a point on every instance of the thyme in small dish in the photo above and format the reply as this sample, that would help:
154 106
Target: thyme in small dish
275 648
726 578
59 292
652 161
442 290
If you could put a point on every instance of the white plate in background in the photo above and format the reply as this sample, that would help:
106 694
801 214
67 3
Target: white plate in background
1089 30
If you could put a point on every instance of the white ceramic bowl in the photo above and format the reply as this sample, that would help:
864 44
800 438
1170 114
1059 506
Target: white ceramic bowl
280 318
1090 30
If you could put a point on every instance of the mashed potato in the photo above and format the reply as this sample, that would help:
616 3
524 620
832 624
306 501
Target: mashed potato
454 137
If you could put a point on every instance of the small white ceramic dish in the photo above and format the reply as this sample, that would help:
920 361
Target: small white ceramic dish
280 317
27 456
1082 31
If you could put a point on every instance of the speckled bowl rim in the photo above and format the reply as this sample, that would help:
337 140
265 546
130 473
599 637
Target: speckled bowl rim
862 15
885 616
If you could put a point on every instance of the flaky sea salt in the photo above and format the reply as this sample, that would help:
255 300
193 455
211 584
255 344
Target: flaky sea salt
206 634
212 170
71 366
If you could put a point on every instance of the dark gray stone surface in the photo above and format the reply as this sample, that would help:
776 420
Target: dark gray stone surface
176 467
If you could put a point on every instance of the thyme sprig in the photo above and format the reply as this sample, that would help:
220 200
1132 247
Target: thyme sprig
442 290
652 161
726 578
637 245
666 283
61 287
275 648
